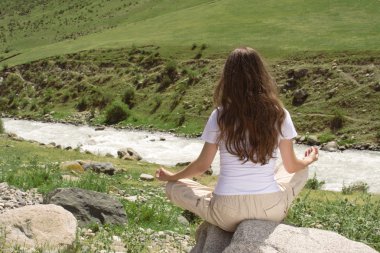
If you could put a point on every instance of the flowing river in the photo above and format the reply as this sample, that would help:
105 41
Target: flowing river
335 168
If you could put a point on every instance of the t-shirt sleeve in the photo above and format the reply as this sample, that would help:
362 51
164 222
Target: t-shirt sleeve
211 131
288 130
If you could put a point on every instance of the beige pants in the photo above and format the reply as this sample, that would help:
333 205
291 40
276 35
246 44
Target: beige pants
227 212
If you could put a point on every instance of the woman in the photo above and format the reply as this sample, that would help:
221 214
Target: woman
248 126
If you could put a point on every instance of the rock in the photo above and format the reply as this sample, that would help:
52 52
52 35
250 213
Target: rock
98 167
30 227
332 92
99 128
146 177
300 73
331 146
11 197
312 140
376 86
88 206
299 97
271 237
209 171
72 166
131 198
182 164
291 84
70 178
211 239
128 154
182 220
162 139
297 74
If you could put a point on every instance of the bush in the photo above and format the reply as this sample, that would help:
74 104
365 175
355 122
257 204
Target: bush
198 55
314 183
157 104
326 137
378 137
82 104
171 67
129 97
1 126
359 186
337 121
116 112
166 81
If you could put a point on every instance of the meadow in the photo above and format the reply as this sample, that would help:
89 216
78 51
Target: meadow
35 31
29 165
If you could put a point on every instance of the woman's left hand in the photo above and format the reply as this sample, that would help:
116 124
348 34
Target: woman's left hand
164 175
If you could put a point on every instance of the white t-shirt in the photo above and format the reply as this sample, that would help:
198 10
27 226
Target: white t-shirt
238 178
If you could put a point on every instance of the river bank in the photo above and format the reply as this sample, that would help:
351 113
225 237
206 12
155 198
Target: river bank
337 169
152 220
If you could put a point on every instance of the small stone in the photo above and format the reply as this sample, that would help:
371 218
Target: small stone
131 198
116 238
331 146
182 220
146 177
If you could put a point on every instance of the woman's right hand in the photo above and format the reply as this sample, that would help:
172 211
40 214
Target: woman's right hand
311 154
163 174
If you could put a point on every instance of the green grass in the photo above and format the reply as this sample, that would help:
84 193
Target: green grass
276 28
28 165
355 217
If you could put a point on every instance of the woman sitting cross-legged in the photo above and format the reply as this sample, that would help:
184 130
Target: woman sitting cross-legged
248 127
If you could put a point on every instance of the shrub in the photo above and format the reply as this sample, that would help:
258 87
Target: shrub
157 104
359 186
198 55
171 67
378 136
326 137
100 99
1 126
337 121
176 98
116 112
314 183
194 46
129 97
166 81
204 46
82 104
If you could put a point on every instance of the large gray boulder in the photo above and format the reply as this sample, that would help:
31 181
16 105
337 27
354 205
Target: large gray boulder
89 206
30 227
256 236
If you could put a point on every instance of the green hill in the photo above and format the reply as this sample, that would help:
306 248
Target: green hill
72 60
38 29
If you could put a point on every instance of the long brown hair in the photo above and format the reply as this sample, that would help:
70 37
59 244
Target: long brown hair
250 113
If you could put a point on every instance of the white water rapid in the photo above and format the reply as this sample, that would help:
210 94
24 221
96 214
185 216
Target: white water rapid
335 169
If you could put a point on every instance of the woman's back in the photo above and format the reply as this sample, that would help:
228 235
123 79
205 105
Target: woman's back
237 177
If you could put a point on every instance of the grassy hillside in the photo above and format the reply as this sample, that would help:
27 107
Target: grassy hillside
153 91
41 28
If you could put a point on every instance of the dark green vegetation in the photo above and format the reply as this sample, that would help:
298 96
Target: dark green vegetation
26 165
336 93
1 126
